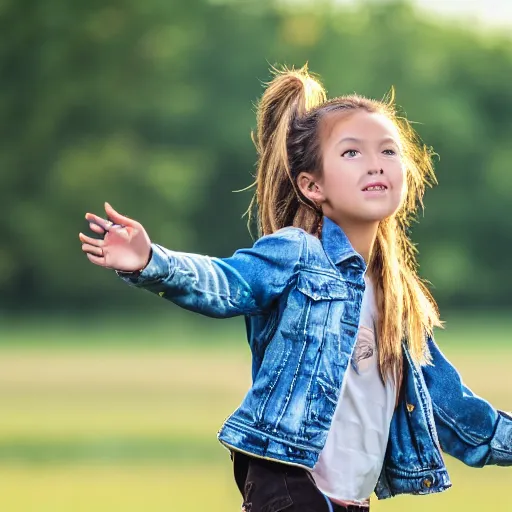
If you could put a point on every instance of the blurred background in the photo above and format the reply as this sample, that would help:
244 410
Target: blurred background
111 397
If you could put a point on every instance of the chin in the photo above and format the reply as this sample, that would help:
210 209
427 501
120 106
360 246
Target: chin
378 216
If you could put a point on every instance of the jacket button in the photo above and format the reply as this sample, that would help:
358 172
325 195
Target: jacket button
427 483
410 407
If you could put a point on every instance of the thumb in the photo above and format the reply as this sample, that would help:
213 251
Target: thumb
117 217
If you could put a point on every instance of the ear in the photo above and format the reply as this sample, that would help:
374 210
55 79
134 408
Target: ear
310 187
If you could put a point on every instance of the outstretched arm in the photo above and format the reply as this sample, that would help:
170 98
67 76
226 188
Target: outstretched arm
246 283
469 428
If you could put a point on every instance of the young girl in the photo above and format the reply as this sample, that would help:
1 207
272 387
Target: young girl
350 393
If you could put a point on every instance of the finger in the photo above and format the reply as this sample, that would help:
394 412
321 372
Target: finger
98 242
96 260
119 231
92 249
103 223
118 218
97 229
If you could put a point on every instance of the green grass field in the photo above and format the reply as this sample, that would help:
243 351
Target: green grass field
125 419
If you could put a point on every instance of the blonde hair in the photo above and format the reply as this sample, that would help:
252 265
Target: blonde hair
289 118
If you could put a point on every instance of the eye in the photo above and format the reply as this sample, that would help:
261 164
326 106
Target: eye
389 152
351 153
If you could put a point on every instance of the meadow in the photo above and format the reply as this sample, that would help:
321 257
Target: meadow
122 416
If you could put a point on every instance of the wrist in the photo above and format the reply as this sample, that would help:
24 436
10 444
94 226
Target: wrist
136 273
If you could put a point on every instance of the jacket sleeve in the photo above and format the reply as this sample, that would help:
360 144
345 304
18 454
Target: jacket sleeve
247 283
469 428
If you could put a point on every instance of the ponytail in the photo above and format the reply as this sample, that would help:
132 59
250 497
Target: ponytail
278 200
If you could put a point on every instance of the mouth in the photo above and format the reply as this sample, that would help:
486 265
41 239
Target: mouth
375 186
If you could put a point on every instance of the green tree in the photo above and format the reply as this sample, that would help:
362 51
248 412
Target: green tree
149 105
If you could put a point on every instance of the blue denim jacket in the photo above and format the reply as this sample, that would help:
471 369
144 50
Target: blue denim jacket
301 298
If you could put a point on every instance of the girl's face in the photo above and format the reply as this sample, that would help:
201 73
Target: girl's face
362 180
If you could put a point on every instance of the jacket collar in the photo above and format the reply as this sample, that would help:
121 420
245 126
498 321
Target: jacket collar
335 242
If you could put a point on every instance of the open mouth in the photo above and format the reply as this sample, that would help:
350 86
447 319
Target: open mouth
371 188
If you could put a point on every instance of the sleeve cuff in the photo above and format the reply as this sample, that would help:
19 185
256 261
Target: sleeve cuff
501 443
161 266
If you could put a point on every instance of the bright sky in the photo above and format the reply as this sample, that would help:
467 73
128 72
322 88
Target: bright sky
484 13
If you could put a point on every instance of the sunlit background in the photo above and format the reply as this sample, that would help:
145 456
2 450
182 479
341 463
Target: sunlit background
110 397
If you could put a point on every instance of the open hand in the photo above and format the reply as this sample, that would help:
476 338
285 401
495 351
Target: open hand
125 244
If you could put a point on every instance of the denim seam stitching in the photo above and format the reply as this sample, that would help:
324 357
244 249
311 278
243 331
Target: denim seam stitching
465 436
238 425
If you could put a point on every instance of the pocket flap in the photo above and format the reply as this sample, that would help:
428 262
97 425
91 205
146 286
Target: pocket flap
321 287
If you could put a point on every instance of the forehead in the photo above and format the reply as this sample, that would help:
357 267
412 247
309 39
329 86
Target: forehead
361 125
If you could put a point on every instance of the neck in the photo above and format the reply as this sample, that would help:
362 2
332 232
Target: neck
361 236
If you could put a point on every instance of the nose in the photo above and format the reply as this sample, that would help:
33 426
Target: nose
371 172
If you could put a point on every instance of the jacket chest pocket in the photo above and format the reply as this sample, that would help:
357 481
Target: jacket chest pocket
318 297
322 287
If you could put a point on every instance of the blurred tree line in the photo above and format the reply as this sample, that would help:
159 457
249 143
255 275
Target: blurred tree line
149 105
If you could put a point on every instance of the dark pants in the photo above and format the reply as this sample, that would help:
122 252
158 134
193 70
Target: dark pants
268 486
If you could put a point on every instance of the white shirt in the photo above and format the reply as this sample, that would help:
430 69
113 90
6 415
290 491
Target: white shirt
350 463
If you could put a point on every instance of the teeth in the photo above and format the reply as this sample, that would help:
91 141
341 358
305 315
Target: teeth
378 187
